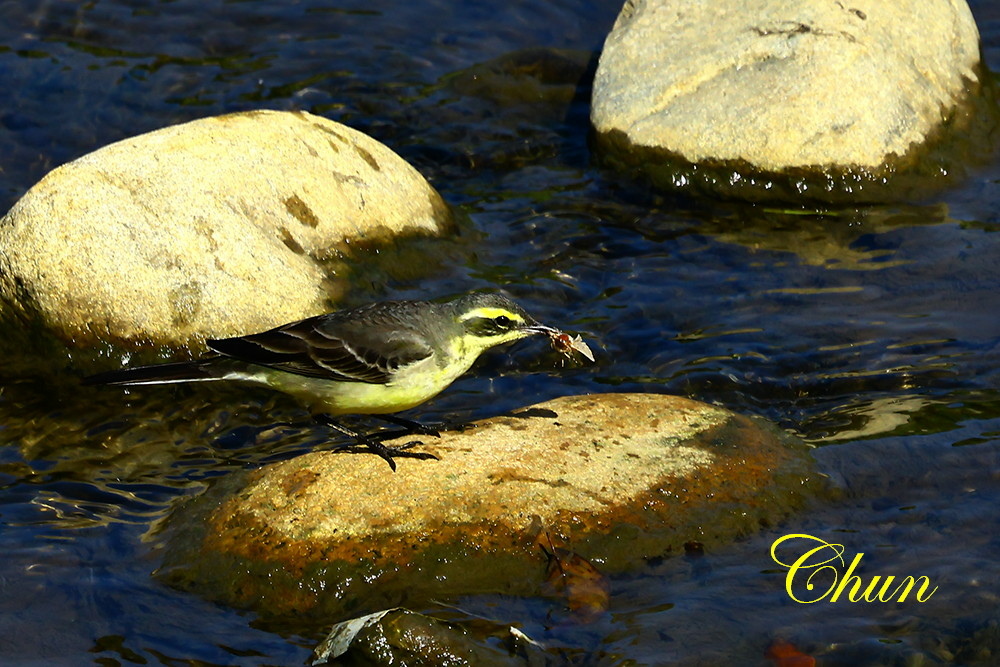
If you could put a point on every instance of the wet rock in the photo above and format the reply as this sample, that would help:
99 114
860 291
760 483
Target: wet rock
772 99
403 637
619 478
211 228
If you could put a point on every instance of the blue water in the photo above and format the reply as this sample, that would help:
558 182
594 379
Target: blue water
872 333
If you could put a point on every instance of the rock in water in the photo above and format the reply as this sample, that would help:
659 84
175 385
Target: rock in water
772 99
212 228
621 478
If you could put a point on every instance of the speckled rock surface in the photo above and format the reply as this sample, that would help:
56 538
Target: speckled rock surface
770 85
211 228
618 477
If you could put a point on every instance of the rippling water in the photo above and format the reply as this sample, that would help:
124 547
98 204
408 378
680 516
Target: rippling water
873 333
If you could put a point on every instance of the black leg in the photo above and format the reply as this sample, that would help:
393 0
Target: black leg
423 429
413 426
373 443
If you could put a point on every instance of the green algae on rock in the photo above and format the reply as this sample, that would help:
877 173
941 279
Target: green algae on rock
216 227
621 478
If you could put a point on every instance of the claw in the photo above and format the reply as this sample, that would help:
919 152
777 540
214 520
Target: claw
374 443
413 426
377 448
388 453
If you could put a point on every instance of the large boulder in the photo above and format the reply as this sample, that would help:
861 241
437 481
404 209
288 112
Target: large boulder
775 98
211 228
619 478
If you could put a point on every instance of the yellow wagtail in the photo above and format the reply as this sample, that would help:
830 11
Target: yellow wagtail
376 359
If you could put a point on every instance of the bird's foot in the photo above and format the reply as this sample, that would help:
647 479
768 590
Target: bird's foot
416 428
375 446
458 427
413 427
374 443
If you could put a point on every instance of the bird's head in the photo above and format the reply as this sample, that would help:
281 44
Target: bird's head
487 319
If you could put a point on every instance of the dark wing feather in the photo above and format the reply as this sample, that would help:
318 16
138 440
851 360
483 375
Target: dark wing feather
346 346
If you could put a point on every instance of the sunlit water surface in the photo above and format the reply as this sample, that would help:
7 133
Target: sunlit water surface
872 333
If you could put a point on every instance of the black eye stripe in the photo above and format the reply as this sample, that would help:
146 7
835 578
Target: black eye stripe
489 326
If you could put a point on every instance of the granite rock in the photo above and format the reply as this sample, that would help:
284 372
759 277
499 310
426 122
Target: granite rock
616 478
220 226
752 88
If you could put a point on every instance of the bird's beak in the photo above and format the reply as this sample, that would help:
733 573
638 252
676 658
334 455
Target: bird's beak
537 328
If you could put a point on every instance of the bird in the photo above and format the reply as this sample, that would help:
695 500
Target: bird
376 359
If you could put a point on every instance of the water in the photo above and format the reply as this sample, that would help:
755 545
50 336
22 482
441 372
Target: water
872 333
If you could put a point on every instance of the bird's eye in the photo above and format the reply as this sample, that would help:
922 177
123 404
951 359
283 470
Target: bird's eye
503 322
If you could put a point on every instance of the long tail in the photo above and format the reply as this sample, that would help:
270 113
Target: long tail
179 371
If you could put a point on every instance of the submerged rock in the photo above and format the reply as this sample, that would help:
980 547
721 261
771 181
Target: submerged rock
620 478
220 226
781 98
403 637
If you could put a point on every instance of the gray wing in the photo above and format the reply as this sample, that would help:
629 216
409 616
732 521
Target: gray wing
364 345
